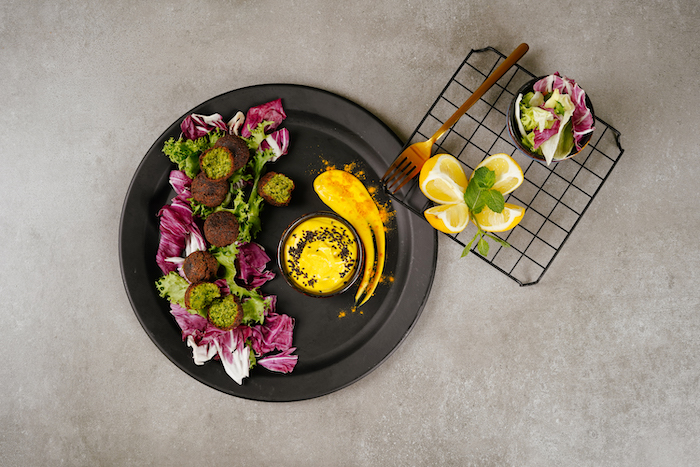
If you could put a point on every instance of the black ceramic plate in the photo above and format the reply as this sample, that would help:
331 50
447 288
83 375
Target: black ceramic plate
336 344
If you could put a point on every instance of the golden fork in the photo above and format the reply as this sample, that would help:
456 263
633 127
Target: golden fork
410 161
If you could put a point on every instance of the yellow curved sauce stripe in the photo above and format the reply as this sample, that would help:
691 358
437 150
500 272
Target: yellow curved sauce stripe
348 197
378 230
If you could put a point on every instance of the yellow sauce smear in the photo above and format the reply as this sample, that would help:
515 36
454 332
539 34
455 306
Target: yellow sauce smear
346 195
320 255
385 211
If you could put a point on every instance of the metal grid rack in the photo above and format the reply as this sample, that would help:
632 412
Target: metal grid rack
555 196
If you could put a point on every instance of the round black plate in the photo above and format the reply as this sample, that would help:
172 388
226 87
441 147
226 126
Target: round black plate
336 344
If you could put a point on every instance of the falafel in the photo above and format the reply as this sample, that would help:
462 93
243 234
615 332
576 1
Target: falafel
199 295
217 163
221 228
225 313
200 266
276 188
209 192
238 147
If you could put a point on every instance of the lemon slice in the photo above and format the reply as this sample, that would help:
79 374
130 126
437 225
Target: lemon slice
442 179
509 175
490 221
448 218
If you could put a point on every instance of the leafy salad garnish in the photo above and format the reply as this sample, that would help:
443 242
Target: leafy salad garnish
553 118
264 336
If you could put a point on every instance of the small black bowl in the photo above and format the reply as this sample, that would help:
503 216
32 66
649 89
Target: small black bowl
514 132
358 263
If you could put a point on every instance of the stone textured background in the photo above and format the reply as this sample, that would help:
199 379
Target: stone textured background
596 365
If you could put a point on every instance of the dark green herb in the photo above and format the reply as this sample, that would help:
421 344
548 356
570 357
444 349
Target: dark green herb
479 194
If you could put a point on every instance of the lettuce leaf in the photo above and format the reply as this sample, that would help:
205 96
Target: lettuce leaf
248 214
207 341
529 141
533 99
185 152
254 309
536 118
226 256
172 287
560 144
582 119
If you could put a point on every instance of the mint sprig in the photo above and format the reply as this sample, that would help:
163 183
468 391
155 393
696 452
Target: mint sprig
480 194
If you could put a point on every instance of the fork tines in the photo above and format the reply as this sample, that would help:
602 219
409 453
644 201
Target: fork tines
400 172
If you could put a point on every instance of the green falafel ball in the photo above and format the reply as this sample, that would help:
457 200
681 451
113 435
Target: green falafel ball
199 295
217 163
276 188
225 313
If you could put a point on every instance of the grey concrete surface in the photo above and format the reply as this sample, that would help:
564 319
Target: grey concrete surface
598 364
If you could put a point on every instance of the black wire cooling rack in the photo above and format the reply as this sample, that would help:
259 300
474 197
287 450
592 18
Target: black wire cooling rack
555 196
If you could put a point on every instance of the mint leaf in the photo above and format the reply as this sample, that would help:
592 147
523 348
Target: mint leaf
471 194
499 240
465 252
479 194
494 200
479 206
483 247
484 178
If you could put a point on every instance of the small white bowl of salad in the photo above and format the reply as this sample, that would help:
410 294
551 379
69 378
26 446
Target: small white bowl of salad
551 118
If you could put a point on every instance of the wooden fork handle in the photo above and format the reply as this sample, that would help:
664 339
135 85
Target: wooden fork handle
485 86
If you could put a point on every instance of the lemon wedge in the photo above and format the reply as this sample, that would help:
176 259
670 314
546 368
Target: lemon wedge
509 175
448 218
442 179
490 221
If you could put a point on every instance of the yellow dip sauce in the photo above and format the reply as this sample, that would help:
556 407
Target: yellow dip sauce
320 255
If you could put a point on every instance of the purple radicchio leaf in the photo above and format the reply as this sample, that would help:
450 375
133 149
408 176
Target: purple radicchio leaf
275 333
582 119
282 362
278 142
195 125
271 112
178 231
252 260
